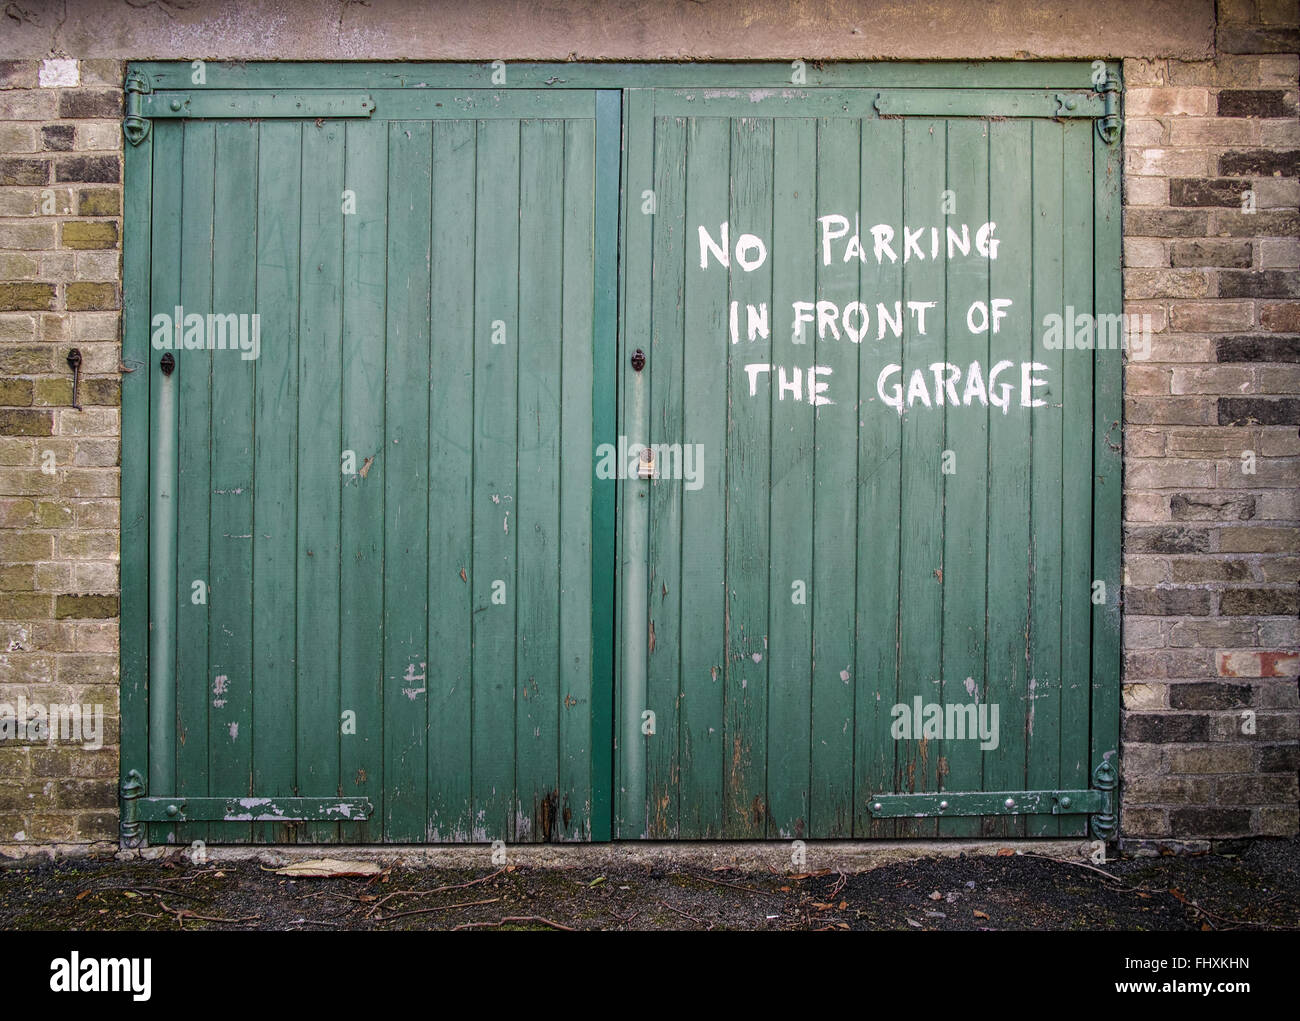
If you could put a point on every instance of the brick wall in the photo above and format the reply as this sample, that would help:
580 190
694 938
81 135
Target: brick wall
1212 449
1212 552
60 273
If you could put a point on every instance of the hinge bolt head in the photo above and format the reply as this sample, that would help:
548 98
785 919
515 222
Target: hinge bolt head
1010 802
877 807
943 806
173 811
1066 802
176 104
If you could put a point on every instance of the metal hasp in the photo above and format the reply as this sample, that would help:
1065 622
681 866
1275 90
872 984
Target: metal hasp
327 103
135 126
252 809
1108 122
1079 103
138 809
921 806
142 105
74 363
1098 802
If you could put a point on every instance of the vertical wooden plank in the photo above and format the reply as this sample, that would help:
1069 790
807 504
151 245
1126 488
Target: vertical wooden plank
406 485
194 474
664 595
577 531
165 284
361 509
604 429
704 420
748 475
138 355
1007 652
1107 466
636 265
922 486
536 510
834 476
1042 728
230 738
966 497
452 468
1076 490
790 567
320 368
875 754
493 576
275 454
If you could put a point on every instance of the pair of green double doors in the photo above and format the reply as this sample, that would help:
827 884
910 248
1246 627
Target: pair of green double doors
393 569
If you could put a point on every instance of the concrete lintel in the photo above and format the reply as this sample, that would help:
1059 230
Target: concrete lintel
612 30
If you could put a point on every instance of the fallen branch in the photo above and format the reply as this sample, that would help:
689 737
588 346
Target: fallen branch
513 918
155 889
1093 868
184 913
444 907
1230 922
687 914
437 889
734 886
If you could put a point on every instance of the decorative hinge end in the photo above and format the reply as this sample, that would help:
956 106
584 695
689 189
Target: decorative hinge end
1105 778
135 126
131 791
1108 124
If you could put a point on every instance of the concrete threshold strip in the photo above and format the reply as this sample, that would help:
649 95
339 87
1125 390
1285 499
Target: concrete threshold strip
769 856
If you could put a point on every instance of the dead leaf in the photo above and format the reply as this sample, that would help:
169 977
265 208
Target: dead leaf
936 895
365 467
318 868
1005 852
462 575
82 894
822 907
842 905
981 914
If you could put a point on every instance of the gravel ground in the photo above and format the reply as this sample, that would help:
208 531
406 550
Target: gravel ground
1254 886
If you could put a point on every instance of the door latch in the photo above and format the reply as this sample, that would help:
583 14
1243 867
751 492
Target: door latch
74 363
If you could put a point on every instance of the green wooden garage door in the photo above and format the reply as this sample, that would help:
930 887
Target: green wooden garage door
399 333
874 577
371 556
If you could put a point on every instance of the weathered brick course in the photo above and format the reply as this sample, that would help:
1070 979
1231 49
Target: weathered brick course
1203 756
60 274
